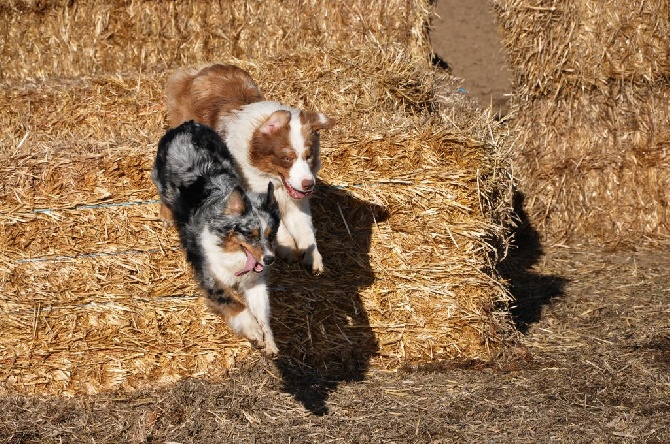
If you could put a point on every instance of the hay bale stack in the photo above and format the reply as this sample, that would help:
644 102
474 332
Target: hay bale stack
56 38
592 87
97 295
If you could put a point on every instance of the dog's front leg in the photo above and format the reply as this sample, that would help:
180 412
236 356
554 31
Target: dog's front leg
258 303
298 221
286 247
226 302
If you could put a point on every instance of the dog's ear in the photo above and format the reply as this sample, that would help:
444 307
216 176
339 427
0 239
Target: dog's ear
275 122
270 199
237 203
317 121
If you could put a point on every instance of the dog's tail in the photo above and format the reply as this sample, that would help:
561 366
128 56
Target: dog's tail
186 165
203 95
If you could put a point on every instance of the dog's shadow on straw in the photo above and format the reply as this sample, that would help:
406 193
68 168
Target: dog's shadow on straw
320 322
531 290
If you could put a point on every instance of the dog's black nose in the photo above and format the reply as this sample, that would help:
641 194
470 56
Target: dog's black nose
268 260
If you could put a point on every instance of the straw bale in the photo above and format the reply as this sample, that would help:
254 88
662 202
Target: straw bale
412 203
599 176
56 38
592 83
558 47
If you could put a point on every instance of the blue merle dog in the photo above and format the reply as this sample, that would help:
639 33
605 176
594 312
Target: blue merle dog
227 233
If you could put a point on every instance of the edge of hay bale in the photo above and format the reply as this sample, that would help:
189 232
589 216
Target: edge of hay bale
84 38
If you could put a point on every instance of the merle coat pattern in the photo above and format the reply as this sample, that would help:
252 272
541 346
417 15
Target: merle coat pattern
227 233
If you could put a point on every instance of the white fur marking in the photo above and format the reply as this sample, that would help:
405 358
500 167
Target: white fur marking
300 169
245 323
221 263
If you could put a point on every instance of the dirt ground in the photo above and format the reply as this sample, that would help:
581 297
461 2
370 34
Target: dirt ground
464 37
591 365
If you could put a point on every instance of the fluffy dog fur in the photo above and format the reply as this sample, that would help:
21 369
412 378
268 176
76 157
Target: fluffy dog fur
270 142
227 234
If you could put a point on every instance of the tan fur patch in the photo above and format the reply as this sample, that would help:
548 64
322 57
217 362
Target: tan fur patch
234 243
166 214
231 244
230 305
272 153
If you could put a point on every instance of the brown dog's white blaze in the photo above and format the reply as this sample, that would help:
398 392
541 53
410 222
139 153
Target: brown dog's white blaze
311 123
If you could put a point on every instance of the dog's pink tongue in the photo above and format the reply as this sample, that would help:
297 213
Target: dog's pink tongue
296 194
250 265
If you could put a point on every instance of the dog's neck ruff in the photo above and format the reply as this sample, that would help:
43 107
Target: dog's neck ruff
251 265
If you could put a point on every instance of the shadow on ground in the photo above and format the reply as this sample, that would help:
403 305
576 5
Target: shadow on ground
531 290
322 329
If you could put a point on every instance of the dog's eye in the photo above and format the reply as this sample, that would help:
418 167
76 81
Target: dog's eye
254 233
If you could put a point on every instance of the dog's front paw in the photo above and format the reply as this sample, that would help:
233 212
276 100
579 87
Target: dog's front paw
271 349
245 324
255 336
313 260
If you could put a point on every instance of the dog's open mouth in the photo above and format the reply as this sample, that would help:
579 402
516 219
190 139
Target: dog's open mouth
296 194
252 264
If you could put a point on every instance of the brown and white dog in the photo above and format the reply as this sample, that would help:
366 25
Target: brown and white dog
269 141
